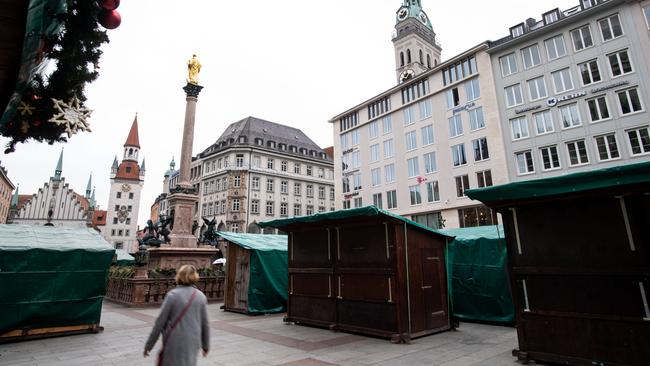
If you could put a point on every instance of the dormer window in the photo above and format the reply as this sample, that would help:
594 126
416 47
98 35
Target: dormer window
283 147
293 149
551 16
259 142
517 30
271 144
242 139
586 4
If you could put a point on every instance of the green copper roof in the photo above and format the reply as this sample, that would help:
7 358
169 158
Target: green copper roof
413 9
564 184
14 199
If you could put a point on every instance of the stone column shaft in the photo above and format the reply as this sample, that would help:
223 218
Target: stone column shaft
188 142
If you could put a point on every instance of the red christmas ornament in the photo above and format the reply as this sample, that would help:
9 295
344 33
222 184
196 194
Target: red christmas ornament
109 4
109 19
36 123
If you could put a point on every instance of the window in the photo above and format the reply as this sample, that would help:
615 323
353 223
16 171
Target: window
310 190
537 88
310 170
476 119
453 98
284 208
310 209
639 140
598 110
425 109
297 189
390 173
237 181
550 158
349 121
235 204
118 195
120 232
129 208
391 198
484 178
455 126
531 56
460 70
387 124
373 129
473 89
128 221
524 161
577 153
562 80
462 184
519 128
358 202
551 17
476 216
570 115
331 194
374 153
415 91
409 115
297 209
131 195
416 197
379 107
433 191
427 135
589 72
255 207
283 166
239 161
376 200
619 63
234 228
555 47
582 38
413 167
629 101
269 208
610 28
586 4
256 161
376 177
411 141
114 221
480 147
223 207
517 31
296 168
458 155
543 122
355 136
269 185
284 187
388 149
430 164
607 147
346 184
514 96
255 183
321 193
508 64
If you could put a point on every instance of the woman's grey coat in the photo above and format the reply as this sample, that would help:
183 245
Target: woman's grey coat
191 334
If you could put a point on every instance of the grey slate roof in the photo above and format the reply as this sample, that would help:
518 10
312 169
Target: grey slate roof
254 129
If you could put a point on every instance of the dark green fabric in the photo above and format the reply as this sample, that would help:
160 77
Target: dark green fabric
269 275
51 276
368 211
564 184
480 287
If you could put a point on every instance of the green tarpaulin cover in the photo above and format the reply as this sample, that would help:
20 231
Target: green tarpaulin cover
564 184
51 276
480 287
368 211
123 258
267 288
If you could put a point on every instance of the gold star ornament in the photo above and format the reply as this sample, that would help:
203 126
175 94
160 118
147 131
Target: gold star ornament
71 115
25 109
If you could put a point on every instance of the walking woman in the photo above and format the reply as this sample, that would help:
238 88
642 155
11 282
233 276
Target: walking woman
183 321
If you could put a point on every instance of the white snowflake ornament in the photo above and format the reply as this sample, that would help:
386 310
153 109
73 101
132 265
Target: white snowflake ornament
71 115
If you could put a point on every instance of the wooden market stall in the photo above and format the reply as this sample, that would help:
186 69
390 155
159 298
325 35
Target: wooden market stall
256 273
579 257
368 271
52 281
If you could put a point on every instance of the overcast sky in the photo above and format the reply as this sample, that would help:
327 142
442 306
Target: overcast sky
297 63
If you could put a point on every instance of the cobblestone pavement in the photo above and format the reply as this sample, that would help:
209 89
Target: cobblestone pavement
238 340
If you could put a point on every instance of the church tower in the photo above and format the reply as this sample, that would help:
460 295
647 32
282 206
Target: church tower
416 48
127 179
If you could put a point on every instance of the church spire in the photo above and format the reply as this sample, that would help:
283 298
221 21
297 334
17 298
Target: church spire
14 199
92 201
89 185
133 139
59 167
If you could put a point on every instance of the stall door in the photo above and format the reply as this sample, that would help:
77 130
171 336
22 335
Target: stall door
434 287
241 280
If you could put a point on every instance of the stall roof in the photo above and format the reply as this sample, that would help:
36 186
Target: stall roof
263 242
123 257
369 211
565 184
474 233
22 237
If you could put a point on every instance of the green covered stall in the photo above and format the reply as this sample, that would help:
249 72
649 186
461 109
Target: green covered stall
480 288
123 258
52 280
256 273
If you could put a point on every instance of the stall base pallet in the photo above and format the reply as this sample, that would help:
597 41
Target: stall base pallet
36 333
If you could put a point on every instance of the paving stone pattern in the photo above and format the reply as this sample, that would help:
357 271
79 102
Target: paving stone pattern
238 340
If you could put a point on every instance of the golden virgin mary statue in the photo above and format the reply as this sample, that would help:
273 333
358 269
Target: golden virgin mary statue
193 69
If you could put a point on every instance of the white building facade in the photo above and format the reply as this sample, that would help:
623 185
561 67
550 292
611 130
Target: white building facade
574 89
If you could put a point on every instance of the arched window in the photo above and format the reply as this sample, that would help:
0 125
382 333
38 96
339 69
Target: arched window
421 58
253 228
429 61
221 226
401 58
436 62
408 56
130 152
